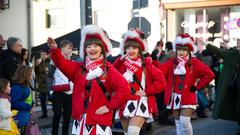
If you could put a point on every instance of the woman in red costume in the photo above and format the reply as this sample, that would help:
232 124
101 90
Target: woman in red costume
144 79
185 75
98 87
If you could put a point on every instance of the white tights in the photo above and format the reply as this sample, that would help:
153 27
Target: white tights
133 130
186 126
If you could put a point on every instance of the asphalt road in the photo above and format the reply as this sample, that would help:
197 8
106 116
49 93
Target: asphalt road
206 126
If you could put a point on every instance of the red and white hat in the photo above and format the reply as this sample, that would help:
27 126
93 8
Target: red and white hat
93 31
185 40
136 35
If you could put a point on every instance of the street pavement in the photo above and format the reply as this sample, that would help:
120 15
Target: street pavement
204 126
201 126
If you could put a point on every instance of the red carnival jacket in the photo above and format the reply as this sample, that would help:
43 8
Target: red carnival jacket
114 83
197 70
155 81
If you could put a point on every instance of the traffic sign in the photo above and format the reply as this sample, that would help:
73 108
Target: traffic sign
142 23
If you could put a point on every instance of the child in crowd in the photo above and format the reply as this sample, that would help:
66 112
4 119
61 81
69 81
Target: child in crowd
21 97
7 124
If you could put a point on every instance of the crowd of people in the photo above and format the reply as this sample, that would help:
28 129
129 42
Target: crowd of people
136 87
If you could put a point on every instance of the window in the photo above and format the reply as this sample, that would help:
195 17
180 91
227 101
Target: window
4 4
55 18
205 25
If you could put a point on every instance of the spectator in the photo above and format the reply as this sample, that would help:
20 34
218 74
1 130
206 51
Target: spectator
62 95
7 124
165 55
227 99
24 57
42 80
21 97
2 44
158 51
96 92
11 57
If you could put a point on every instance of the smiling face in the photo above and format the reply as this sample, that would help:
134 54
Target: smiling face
94 51
132 49
182 52
132 52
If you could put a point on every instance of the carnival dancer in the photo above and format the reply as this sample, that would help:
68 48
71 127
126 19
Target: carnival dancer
185 75
144 79
98 87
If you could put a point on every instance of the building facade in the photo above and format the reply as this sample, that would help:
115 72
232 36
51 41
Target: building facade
35 20
208 21
115 19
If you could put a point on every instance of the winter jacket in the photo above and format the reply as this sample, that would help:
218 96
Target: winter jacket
22 102
5 114
225 102
42 77
61 83
197 70
155 81
115 84
9 63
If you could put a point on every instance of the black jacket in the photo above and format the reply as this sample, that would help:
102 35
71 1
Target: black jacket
9 63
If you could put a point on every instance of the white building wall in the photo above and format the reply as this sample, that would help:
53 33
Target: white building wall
71 17
13 21
115 18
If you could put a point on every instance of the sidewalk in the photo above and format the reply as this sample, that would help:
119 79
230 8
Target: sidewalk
44 123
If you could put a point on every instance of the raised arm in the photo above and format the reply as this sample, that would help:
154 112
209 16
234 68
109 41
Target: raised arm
67 67
219 52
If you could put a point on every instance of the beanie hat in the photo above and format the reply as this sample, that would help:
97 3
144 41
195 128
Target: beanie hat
90 32
185 40
135 35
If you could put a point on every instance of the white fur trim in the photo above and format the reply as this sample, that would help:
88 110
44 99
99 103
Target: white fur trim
128 75
182 41
93 29
132 34
97 72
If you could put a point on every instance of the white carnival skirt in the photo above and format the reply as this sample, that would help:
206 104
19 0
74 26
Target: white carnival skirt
175 102
137 108
81 128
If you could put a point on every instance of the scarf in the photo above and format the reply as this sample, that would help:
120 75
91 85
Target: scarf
94 68
132 66
180 68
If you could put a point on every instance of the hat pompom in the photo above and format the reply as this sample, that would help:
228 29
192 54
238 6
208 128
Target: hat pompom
93 31
185 40
136 35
